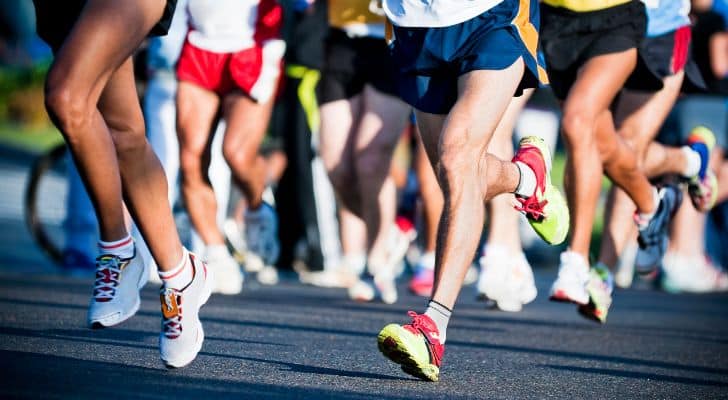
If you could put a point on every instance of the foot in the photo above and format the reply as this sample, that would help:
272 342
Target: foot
652 238
386 288
600 288
625 266
116 289
261 237
423 278
181 337
507 280
703 188
228 276
570 284
415 346
692 274
546 210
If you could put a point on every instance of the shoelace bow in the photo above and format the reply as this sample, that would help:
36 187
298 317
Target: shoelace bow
108 272
532 207
173 324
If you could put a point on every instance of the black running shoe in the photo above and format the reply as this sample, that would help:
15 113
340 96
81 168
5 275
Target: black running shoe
652 238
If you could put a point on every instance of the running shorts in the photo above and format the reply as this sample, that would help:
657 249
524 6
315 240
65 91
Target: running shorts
662 56
569 39
222 73
351 63
429 61
55 19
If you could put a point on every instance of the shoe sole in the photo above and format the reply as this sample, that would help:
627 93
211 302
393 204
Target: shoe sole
109 321
561 296
392 347
188 357
592 313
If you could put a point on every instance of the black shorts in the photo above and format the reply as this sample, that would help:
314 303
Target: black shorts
569 39
353 62
662 56
55 19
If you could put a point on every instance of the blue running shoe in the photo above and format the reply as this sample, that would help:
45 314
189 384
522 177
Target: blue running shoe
652 238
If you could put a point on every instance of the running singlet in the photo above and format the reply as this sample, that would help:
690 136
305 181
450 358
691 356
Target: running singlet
358 18
585 5
665 16
435 13
228 26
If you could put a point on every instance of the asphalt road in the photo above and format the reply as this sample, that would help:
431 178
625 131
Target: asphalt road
292 341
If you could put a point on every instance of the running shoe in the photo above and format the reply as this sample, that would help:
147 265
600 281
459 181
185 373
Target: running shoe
570 284
361 291
228 276
652 237
423 278
386 287
600 288
261 237
703 188
402 235
625 266
116 289
546 210
181 337
415 346
692 274
507 281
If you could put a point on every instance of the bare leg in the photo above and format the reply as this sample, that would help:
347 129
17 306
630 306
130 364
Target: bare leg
196 110
339 119
246 125
431 194
599 80
503 223
111 31
459 142
381 124
639 117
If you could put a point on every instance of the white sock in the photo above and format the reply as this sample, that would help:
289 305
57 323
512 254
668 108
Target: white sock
440 315
692 165
355 262
122 248
216 252
179 276
645 218
527 183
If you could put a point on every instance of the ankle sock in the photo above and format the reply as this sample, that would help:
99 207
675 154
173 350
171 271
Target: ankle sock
644 218
692 162
527 182
440 315
179 276
122 248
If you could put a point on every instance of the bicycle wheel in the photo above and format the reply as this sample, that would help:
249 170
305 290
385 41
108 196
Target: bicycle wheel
45 201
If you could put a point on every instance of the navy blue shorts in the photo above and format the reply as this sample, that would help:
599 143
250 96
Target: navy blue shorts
429 61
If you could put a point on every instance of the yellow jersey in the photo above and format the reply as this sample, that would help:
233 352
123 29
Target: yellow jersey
343 13
583 5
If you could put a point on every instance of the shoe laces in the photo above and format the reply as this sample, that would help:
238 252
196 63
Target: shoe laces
532 207
108 274
171 300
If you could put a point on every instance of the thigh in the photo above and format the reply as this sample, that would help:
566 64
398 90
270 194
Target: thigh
106 33
382 121
246 123
196 111
119 103
338 119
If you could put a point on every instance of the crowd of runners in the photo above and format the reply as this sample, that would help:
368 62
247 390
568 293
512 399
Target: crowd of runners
363 142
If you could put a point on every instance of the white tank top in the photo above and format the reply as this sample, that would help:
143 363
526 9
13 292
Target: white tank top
434 13
222 26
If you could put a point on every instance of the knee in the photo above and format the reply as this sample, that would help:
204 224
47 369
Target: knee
241 160
341 176
190 163
374 162
128 137
66 108
577 129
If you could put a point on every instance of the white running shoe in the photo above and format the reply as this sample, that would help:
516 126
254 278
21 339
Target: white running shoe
234 236
361 291
692 274
387 288
570 285
228 276
181 337
507 280
261 237
116 289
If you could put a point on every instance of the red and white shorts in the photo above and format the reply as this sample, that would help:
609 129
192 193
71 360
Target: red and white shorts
224 72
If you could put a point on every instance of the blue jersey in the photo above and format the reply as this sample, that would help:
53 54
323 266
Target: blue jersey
665 16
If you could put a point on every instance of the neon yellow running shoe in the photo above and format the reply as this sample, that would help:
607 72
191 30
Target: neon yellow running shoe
415 346
600 288
546 210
